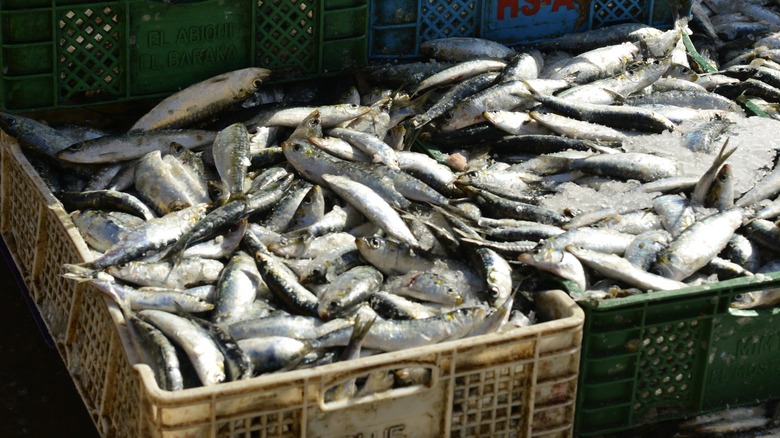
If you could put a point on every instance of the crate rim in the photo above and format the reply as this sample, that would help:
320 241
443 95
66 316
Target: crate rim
562 323
649 298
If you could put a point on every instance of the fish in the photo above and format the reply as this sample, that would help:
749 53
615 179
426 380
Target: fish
576 128
153 235
459 49
682 257
274 353
114 200
606 91
372 206
186 273
35 136
329 115
426 286
134 145
231 158
352 351
203 99
625 117
206 358
630 165
285 285
394 335
312 163
103 229
459 72
349 290
557 261
373 147
166 184
236 288
614 266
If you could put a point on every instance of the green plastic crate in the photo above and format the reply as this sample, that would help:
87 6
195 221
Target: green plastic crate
676 354
66 53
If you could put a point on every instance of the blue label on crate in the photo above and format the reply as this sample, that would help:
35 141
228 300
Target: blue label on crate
528 20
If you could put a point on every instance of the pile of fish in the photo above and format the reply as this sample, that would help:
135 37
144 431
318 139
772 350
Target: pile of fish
415 207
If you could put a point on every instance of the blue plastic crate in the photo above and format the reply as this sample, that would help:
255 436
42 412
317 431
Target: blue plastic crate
398 27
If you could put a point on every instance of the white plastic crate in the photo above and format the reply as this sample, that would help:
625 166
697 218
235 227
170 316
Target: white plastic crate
521 383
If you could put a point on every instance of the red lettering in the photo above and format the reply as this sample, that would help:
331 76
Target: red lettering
503 4
558 3
533 9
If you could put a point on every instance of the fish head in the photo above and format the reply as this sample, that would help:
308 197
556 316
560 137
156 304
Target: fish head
70 150
747 300
370 244
8 122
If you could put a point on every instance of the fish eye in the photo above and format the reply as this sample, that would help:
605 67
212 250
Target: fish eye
315 121
739 297
353 106
257 83
333 304
297 147
316 272
177 148
374 242
9 120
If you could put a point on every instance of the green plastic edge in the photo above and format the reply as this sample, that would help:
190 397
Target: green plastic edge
703 63
745 283
751 107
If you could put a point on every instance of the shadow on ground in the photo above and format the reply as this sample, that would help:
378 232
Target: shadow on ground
37 395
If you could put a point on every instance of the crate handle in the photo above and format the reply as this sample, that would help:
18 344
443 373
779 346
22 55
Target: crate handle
429 377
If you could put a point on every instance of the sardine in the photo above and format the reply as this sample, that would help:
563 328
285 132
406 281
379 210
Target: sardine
203 99
208 361
697 245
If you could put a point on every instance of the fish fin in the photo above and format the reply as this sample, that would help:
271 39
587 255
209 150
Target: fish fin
702 187
360 329
619 98
80 271
534 93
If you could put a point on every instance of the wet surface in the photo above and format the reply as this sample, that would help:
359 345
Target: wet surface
37 395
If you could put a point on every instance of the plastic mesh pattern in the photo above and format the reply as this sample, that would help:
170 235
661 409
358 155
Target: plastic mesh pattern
124 397
90 45
613 11
54 292
91 345
279 424
667 364
491 402
22 213
286 35
448 18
